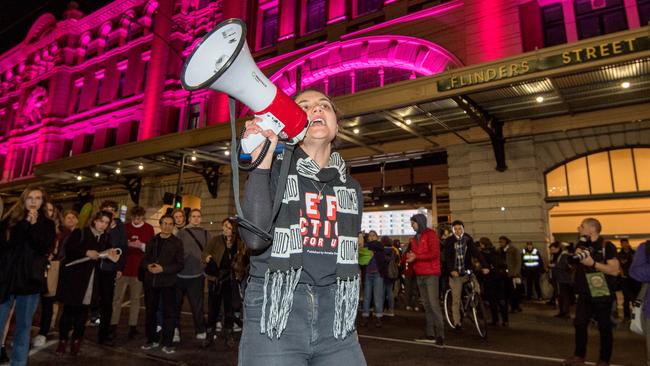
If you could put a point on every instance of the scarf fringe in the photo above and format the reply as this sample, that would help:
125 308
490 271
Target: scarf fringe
345 307
283 285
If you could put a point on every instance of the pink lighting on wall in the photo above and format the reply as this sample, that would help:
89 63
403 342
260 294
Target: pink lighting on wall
491 28
399 52
423 14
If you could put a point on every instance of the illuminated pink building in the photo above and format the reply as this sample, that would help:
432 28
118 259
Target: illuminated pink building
87 82
462 70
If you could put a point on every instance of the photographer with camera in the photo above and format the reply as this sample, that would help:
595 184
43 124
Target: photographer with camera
595 276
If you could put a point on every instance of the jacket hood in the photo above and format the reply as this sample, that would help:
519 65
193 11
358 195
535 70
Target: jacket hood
421 220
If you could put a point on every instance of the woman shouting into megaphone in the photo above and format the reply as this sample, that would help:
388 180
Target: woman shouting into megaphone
301 301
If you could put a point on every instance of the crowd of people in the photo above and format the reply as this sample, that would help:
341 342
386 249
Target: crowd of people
75 270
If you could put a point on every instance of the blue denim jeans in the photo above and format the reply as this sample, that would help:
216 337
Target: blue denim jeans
308 339
25 308
388 293
373 288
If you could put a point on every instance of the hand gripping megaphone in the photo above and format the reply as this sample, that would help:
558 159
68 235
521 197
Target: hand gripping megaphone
222 61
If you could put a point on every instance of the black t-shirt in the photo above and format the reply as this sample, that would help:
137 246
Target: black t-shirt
599 256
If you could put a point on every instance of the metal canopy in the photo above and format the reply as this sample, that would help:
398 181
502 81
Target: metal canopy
401 121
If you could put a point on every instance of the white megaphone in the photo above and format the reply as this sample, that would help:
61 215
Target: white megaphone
223 62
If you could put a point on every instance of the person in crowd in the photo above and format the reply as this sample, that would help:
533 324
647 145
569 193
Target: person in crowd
27 236
47 298
319 264
219 256
495 282
179 220
391 256
640 271
424 256
79 283
191 280
512 256
629 286
162 261
460 250
138 233
65 226
554 252
563 275
444 232
4 356
411 295
597 260
374 281
532 269
109 272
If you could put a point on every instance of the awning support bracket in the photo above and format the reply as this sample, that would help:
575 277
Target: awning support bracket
492 126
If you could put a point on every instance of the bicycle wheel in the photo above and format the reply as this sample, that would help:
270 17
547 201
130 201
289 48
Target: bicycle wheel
479 316
448 308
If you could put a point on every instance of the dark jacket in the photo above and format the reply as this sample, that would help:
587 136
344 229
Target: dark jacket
497 263
513 260
23 256
379 256
216 248
563 272
168 252
73 280
117 239
471 251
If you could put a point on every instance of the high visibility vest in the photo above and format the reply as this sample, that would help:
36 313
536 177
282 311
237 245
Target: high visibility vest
531 259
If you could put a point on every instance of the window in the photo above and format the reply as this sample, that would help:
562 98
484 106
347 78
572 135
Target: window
194 117
121 82
100 86
111 137
67 148
592 20
604 173
315 15
368 6
88 142
203 4
553 25
77 100
270 27
145 71
644 11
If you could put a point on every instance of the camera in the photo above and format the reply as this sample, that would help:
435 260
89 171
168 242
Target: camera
587 251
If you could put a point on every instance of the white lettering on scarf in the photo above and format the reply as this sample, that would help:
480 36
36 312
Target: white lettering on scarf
291 192
347 200
348 250
286 242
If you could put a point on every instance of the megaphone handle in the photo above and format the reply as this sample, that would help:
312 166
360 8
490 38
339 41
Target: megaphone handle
268 122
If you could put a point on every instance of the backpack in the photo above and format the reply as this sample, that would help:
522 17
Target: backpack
393 266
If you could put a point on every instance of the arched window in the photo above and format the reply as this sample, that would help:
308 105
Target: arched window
612 173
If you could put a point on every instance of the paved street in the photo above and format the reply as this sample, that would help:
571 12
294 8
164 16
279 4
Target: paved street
534 338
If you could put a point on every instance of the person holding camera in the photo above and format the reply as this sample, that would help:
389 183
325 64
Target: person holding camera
595 277
162 261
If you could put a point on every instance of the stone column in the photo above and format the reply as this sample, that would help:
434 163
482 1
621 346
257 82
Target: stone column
493 203
570 21
157 72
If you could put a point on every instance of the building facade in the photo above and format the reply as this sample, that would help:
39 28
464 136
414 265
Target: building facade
87 84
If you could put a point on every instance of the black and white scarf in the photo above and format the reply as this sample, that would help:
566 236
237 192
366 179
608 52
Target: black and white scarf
285 263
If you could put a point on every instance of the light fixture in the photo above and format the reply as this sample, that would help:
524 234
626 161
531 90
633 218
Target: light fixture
356 131
539 99
193 158
118 171
408 121
625 84
96 175
386 205
503 208
141 167
227 152
79 177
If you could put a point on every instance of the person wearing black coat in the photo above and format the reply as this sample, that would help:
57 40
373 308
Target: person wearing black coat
162 261
495 281
78 289
26 238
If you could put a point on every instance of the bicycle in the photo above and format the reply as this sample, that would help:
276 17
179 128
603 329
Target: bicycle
470 302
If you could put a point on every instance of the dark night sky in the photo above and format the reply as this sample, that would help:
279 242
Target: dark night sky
17 16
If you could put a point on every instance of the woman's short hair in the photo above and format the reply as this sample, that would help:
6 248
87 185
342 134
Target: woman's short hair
98 215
